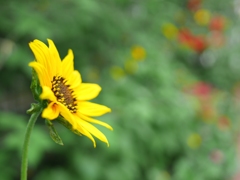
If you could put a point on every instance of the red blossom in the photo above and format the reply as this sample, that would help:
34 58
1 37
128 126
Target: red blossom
216 39
217 156
224 123
217 23
207 111
185 36
199 43
195 42
202 89
194 5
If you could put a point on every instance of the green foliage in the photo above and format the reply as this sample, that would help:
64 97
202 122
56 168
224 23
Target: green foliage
175 110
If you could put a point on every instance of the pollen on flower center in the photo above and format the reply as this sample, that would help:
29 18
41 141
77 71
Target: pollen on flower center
64 94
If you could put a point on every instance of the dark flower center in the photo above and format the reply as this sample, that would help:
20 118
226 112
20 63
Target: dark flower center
64 94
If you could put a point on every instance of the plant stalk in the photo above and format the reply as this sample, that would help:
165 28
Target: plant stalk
30 126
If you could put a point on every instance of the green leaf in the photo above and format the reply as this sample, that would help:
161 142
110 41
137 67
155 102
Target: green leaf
53 133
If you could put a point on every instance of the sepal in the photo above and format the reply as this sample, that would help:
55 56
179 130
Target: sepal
34 108
53 133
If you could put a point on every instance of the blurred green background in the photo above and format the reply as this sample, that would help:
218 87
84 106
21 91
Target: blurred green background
169 69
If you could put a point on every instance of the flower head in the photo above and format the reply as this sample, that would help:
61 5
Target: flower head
202 89
66 94
217 23
138 53
217 156
117 72
202 17
196 42
194 141
194 5
170 31
130 66
224 123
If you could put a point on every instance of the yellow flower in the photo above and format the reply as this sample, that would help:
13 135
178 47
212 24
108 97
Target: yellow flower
67 96
194 141
138 53
130 66
117 72
170 31
202 17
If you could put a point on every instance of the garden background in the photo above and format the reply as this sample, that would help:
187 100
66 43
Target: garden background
169 69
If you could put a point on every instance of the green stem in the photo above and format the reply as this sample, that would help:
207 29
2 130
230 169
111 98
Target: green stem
30 126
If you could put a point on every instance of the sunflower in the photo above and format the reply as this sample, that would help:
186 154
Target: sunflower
66 94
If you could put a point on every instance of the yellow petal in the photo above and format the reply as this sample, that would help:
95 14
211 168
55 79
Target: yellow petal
48 94
86 118
87 91
51 111
92 109
55 58
85 133
67 64
93 130
42 55
42 73
64 111
74 80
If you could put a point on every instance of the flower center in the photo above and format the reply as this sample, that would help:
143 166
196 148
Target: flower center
64 94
